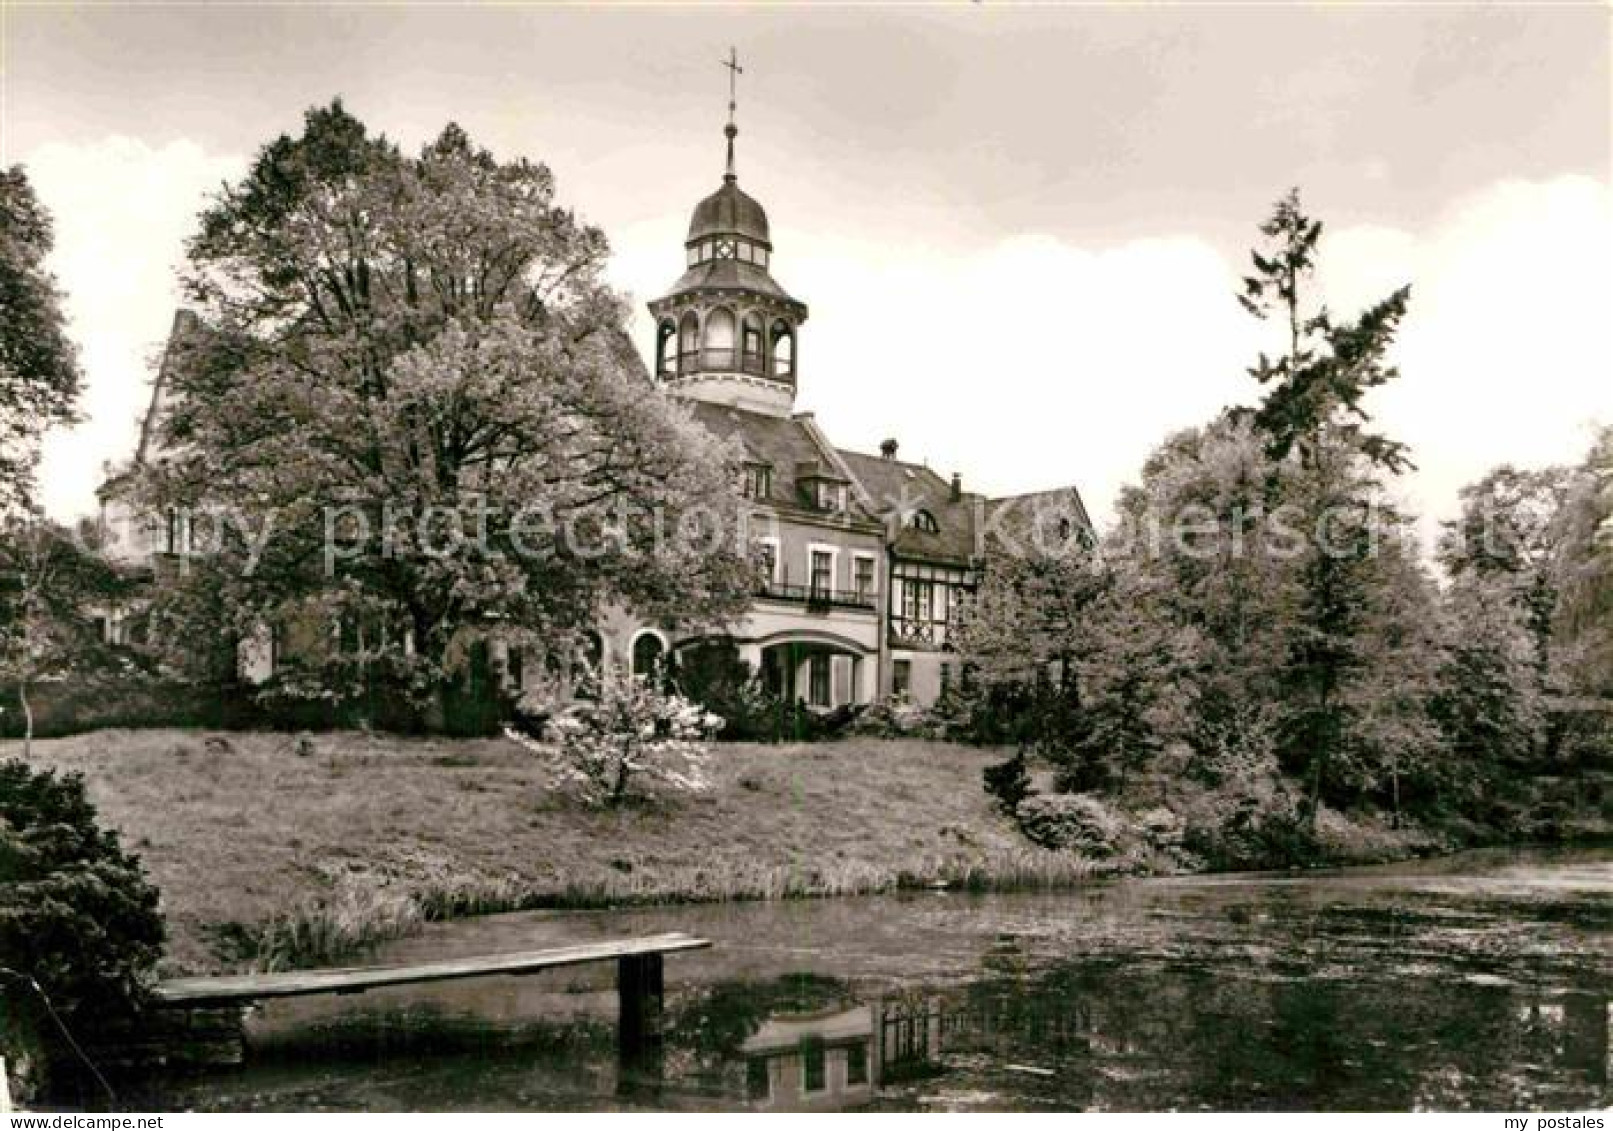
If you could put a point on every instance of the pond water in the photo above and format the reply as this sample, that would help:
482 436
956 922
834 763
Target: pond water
1479 981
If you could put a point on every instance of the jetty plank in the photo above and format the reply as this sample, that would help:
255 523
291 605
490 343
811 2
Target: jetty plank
235 989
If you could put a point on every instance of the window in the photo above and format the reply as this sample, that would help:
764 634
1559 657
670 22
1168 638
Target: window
720 339
688 340
857 1063
758 481
783 350
918 600
812 1066
667 353
757 1084
176 538
818 680
694 256
822 573
901 678
766 556
863 576
925 521
647 654
830 496
746 252
751 343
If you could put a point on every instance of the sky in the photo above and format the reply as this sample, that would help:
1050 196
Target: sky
1019 229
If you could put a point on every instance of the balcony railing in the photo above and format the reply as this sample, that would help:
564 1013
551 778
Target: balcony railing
814 596
728 360
911 630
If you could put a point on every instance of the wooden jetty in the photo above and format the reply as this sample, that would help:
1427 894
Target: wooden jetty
639 984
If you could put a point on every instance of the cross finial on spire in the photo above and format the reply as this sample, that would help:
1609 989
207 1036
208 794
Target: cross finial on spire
734 71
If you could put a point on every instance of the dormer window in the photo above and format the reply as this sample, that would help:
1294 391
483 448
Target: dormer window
924 522
758 481
830 496
820 488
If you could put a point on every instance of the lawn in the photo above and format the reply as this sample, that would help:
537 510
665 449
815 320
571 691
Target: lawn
240 830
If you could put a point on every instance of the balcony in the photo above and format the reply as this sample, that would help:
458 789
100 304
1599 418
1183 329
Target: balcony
729 360
817 598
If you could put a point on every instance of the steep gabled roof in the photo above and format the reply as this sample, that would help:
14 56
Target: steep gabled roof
1045 518
185 331
899 490
788 445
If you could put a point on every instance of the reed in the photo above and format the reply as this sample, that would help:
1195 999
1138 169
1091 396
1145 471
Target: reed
356 915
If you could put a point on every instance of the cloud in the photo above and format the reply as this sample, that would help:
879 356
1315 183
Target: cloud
122 210
1506 355
1030 364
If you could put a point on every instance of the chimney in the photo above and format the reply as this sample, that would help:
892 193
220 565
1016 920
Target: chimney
887 448
957 487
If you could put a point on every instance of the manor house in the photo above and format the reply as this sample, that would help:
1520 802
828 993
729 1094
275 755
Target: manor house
865 558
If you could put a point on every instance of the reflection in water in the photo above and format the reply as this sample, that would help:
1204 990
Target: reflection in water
1285 1047
1424 986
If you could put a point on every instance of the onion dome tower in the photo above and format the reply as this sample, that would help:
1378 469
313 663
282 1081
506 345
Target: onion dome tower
726 332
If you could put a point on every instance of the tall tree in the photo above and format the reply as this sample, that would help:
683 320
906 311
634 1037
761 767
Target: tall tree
417 404
1313 415
1583 629
39 373
1021 636
1319 382
1134 674
1508 532
1487 698
1197 525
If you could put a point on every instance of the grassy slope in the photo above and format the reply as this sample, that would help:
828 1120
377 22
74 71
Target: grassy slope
253 832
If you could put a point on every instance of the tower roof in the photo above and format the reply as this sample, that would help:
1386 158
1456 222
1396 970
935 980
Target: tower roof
729 211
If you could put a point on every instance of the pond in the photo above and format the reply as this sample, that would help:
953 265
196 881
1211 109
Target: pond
1474 982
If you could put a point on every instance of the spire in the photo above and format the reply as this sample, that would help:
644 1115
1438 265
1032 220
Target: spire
731 130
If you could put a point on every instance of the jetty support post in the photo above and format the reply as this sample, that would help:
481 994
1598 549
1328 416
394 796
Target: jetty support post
640 1030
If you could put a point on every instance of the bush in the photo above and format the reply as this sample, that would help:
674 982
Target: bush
635 731
77 914
1008 782
896 718
1163 829
714 676
1076 821
1258 832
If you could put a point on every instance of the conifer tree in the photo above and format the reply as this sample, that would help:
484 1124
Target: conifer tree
1313 415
